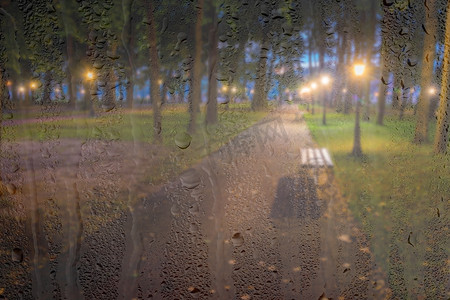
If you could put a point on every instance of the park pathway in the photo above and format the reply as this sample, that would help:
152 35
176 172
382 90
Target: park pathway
249 223
246 222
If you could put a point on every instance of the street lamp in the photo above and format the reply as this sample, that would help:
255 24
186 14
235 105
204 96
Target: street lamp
358 69
313 87
32 88
431 91
305 90
325 80
90 75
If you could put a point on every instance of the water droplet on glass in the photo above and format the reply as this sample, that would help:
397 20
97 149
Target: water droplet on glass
175 210
183 140
194 209
237 239
11 188
190 179
17 255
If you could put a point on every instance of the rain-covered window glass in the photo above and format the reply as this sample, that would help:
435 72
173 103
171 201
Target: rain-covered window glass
224 149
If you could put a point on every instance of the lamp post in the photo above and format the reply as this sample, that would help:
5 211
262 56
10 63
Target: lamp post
33 86
305 90
233 93
90 77
21 90
313 87
357 151
325 80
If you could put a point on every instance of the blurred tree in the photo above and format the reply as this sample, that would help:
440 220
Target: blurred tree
195 92
128 41
154 71
211 104
41 29
443 118
429 27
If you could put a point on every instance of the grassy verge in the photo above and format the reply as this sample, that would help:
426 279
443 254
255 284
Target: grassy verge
137 125
400 194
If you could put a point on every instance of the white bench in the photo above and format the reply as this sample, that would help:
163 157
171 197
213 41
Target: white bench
316 158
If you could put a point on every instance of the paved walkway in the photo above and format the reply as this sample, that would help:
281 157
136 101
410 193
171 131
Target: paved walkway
247 222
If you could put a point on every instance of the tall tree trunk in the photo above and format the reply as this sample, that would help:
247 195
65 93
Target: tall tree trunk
195 99
341 70
2 99
403 103
211 104
111 79
47 88
348 99
71 88
382 96
396 91
130 89
260 100
443 118
357 151
269 76
154 72
310 64
370 34
421 132
434 103
128 38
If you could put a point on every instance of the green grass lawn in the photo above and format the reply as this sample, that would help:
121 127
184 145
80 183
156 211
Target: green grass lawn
125 125
397 191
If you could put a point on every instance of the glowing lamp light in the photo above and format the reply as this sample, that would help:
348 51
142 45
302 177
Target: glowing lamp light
252 91
431 91
21 89
313 86
83 92
233 89
325 80
9 83
305 90
359 69
160 81
224 89
344 91
376 94
33 85
90 75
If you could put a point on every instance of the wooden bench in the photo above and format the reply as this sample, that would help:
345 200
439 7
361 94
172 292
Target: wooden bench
315 158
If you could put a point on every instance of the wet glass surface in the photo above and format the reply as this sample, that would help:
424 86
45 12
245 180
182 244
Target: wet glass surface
224 149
